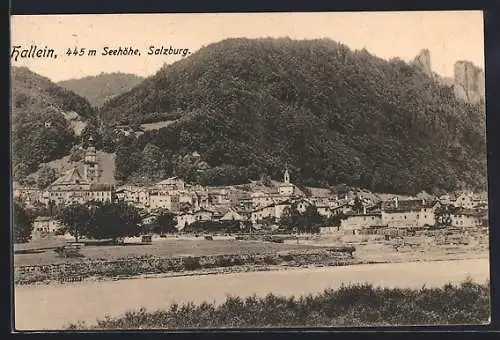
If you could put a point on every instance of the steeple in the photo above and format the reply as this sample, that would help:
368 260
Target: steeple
91 165
286 177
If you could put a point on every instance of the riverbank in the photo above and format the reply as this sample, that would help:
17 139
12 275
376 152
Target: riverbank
319 256
41 307
359 305
143 265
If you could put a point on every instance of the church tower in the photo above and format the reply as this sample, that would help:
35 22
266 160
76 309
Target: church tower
92 171
286 177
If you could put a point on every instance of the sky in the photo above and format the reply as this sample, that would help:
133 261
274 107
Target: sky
449 36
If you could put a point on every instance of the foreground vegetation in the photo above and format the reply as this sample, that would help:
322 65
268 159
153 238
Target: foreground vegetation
356 305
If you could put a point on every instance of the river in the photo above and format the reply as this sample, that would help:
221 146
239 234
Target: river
55 306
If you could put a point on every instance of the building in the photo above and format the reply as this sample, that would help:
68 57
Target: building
163 200
272 211
80 184
171 184
45 225
261 199
92 172
303 204
203 215
286 188
73 187
324 210
409 213
467 218
29 195
184 219
356 222
232 215
470 200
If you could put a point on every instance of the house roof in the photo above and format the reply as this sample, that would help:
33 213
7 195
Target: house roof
43 219
100 187
480 197
286 202
203 210
352 214
319 192
233 213
468 212
407 205
71 176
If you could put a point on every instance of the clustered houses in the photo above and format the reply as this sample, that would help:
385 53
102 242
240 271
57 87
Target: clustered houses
415 213
253 202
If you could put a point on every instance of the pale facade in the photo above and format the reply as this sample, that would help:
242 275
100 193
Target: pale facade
360 221
184 220
43 225
466 219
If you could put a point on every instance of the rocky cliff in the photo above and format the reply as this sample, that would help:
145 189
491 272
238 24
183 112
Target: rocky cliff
423 62
469 84
468 81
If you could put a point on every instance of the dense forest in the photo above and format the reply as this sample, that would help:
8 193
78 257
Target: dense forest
333 115
40 130
98 89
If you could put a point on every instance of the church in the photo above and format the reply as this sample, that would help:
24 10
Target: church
80 184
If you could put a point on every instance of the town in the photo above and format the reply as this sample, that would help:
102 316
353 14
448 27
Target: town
256 203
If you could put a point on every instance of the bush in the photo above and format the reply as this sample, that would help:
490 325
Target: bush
356 305
192 263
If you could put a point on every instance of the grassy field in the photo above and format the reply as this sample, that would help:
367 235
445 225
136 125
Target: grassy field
356 305
160 248
157 125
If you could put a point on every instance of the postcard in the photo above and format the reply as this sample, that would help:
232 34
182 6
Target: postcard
249 170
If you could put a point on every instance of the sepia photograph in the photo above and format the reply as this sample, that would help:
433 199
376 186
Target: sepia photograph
248 171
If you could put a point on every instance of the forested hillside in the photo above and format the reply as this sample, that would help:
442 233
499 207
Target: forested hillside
331 114
42 116
98 89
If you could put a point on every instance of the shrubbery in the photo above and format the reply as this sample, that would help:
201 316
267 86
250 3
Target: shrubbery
356 305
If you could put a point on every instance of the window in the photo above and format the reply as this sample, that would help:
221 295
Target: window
405 217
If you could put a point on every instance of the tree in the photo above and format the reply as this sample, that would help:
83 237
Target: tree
114 220
335 220
358 204
76 155
75 219
287 218
308 221
164 223
443 216
20 171
46 176
152 162
311 220
91 130
22 224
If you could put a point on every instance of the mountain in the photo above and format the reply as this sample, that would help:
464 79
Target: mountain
46 119
332 115
468 82
98 89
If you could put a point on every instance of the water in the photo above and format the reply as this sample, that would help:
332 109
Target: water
55 306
